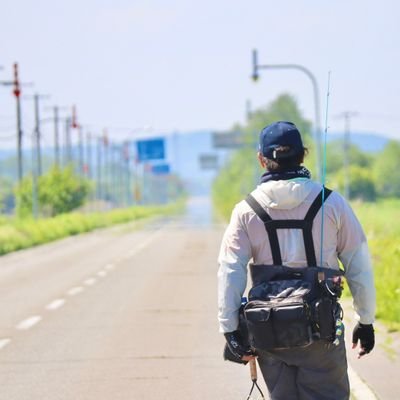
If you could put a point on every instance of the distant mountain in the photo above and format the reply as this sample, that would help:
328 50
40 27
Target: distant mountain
369 142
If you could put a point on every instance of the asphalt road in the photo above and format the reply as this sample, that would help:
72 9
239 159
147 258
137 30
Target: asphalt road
124 313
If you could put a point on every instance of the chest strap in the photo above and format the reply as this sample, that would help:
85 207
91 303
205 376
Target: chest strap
306 224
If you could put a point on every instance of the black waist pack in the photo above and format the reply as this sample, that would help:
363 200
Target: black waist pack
291 307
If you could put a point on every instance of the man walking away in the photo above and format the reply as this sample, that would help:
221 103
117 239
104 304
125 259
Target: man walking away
308 365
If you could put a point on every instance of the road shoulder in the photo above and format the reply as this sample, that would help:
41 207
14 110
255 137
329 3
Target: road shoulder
374 376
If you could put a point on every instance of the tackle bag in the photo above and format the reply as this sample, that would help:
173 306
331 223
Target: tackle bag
291 307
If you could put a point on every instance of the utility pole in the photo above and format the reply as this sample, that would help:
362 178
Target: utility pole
56 137
126 157
35 185
99 167
120 174
76 125
37 136
114 173
36 99
17 94
248 109
67 150
80 150
37 169
89 155
56 126
347 115
108 176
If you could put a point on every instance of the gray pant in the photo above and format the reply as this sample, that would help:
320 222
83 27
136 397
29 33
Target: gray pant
315 372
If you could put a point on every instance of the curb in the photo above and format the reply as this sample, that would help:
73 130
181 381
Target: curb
359 389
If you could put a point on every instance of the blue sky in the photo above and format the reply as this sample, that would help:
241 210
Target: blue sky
185 65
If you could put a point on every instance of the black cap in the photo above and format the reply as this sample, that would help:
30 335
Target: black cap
281 133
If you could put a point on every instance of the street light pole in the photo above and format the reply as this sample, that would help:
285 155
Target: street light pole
317 116
56 136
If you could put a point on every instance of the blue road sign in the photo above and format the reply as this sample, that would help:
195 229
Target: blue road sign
161 169
151 149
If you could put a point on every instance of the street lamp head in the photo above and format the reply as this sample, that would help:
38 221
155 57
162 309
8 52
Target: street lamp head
255 76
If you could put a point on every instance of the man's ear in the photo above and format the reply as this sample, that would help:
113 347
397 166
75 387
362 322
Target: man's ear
261 160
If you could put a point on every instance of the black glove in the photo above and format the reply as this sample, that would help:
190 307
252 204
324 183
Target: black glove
235 348
366 335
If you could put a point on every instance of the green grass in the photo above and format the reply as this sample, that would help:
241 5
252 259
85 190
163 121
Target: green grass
20 234
380 222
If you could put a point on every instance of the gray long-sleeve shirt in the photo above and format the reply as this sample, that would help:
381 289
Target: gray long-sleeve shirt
246 238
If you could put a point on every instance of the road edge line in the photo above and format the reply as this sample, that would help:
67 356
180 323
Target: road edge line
359 389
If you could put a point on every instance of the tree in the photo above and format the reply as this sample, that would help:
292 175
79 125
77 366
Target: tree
386 170
59 191
335 156
361 183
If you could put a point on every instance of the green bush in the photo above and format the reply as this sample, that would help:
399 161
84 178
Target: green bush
386 170
361 183
59 191
335 157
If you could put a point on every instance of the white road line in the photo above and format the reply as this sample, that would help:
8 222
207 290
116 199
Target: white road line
4 342
75 290
29 322
359 388
142 245
102 274
55 304
90 281
145 243
109 267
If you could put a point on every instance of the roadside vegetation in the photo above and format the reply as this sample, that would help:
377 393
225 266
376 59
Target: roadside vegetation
16 234
379 220
56 210
59 191
374 192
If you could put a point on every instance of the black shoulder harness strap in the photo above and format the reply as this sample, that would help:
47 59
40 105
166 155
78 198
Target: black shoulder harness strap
272 225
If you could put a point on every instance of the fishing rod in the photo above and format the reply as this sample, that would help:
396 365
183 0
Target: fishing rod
324 166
